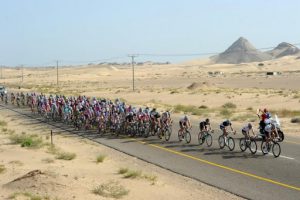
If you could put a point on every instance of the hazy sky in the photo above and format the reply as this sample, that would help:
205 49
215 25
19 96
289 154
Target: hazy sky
37 32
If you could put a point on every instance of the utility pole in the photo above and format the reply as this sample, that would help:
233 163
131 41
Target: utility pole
132 64
57 72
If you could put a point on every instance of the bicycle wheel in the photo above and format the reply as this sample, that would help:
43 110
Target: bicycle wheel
208 140
253 147
243 144
231 143
146 132
276 149
201 138
167 134
160 134
281 136
187 137
153 130
180 136
221 141
264 147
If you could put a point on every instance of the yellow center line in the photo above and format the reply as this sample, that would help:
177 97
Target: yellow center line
218 165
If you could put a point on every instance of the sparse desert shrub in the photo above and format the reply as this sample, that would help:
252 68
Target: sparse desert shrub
296 96
28 195
229 105
244 117
287 113
295 120
151 178
132 174
174 92
52 149
260 64
112 189
3 123
100 158
225 113
194 110
123 170
4 130
203 107
250 108
32 141
65 156
2 169
48 160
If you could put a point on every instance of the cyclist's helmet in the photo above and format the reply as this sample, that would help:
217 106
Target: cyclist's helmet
207 120
185 117
249 125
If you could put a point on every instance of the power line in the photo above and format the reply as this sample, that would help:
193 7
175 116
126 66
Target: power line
52 63
94 61
206 54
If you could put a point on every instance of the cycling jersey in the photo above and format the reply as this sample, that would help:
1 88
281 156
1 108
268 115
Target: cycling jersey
203 124
225 124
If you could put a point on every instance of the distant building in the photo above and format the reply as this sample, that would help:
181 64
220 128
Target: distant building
273 73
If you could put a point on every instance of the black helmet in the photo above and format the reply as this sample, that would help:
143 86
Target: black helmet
249 125
207 120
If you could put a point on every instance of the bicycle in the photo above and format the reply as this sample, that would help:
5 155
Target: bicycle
184 134
267 145
226 141
166 132
248 142
205 136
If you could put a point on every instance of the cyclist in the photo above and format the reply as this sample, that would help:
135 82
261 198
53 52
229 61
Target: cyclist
246 130
224 125
263 114
154 115
166 118
184 123
205 125
270 130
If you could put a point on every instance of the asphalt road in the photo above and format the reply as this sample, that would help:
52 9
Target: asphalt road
250 176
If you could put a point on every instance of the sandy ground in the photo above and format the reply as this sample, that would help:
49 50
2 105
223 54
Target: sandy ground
75 179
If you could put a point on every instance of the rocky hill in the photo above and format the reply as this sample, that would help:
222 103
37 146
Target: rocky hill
241 51
284 49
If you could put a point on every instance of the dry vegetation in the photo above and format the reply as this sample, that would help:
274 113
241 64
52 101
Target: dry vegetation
111 189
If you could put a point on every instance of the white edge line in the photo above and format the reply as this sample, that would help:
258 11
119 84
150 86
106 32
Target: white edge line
279 156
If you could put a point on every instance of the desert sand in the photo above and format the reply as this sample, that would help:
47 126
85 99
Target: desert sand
75 179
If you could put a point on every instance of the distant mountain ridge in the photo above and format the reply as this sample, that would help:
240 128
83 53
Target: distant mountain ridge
284 49
242 51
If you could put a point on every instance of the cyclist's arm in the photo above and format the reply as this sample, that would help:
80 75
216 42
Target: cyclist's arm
189 124
252 132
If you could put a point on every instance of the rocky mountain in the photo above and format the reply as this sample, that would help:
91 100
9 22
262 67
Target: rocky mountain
241 51
284 49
